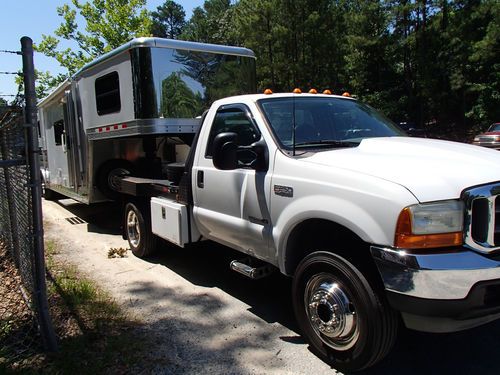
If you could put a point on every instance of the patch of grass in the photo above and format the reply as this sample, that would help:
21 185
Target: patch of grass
77 292
5 327
95 335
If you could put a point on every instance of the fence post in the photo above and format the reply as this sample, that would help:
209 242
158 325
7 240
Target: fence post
44 320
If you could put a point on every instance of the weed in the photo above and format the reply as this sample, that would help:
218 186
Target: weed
117 252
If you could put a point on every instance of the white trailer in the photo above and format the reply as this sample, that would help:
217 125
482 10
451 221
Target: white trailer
135 111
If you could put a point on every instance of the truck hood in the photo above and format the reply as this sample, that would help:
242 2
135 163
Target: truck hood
430 169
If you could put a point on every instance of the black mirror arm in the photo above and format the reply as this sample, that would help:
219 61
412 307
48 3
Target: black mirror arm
261 162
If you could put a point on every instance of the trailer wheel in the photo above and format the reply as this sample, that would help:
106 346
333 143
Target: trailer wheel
107 178
138 231
343 318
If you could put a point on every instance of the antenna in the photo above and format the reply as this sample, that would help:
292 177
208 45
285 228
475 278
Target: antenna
293 125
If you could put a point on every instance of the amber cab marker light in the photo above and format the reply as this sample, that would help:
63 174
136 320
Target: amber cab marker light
405 239
327 92
268 91
297 91
313 91
346 94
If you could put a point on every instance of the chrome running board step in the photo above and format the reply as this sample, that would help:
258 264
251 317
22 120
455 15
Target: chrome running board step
252 268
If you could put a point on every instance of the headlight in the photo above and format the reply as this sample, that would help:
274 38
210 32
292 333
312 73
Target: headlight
430 225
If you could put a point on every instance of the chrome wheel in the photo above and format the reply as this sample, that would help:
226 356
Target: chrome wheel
330 311
133 229
347 322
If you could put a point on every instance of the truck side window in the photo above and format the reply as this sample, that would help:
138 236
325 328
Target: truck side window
58 132
107 94
233 120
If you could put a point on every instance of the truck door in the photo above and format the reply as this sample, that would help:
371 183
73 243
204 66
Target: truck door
232 206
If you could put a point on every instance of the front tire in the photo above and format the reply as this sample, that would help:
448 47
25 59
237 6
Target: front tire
141 240
346 322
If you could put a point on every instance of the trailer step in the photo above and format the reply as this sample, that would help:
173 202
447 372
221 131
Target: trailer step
252 268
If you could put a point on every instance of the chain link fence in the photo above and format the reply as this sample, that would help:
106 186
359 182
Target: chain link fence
25 327
18 325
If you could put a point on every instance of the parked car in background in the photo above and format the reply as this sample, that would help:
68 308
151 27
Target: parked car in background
412 129
491 138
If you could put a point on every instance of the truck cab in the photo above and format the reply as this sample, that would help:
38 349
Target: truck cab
372 225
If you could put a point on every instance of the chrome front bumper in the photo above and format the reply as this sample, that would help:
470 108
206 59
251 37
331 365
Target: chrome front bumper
494 145
445 276
443 292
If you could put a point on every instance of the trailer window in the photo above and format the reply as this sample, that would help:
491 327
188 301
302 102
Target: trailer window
107 94
183 84
58 132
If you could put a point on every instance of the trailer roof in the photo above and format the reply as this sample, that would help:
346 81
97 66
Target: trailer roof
151 42
168 43
54 94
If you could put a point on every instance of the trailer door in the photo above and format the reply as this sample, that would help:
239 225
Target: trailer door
71 142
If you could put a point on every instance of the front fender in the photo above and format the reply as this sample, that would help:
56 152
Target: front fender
372 220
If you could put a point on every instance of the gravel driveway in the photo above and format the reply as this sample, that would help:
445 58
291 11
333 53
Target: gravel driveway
206 319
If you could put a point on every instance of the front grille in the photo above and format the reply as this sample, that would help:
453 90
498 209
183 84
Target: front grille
482 218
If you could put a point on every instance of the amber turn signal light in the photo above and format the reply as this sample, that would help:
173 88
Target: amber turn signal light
405 239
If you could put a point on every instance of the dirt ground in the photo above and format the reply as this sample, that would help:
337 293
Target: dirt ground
206 319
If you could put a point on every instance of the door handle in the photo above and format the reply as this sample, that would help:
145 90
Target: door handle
200 180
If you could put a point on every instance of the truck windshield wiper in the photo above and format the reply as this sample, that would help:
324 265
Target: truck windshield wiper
328 142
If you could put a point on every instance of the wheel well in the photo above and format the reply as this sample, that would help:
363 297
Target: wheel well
318 234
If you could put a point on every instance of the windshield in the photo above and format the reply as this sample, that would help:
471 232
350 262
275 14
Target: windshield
324 122
494 128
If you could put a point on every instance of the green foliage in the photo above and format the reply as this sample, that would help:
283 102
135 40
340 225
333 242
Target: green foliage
211 23
44 83
168 20
427 61
108 24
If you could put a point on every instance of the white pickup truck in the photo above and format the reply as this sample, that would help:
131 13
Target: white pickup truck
373 226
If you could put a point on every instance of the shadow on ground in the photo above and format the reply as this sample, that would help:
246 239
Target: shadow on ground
102 218
471 351
207 265
201 337
269 300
